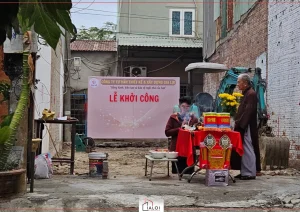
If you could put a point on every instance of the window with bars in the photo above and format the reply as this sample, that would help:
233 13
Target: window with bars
182 22
183 90
78 111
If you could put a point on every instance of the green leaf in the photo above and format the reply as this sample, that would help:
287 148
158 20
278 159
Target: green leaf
25 12
58 4
4 134
24 23
45 26
6 121
62 17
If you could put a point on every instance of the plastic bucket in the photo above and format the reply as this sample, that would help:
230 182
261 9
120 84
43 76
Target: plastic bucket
96 160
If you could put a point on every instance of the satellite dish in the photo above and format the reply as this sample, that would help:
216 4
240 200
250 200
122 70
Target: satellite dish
205 102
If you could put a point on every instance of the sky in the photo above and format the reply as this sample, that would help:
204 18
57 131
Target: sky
86 13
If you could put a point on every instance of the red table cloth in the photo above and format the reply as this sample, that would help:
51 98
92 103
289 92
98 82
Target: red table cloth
185 142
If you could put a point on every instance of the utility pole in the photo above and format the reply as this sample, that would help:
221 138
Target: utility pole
67 91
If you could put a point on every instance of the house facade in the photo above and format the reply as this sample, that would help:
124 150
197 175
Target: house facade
88 58
97 58
236 34
260 34
160 40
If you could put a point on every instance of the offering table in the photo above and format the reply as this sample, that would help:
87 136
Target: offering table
189 141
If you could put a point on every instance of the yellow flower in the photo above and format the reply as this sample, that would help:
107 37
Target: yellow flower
223 95
229 97
236 94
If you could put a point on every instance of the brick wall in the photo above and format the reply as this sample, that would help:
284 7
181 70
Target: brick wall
283 72
243 44
3 77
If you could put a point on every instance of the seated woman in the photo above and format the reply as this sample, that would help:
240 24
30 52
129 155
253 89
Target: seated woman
175 122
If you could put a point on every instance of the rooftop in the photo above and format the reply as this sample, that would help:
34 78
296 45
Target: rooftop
94 46
158 41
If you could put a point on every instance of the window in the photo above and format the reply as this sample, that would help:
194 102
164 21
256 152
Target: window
182 22
183 90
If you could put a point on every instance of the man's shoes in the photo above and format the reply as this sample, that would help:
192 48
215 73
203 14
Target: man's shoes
248 177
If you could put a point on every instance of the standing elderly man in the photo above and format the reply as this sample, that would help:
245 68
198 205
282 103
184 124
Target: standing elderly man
246 124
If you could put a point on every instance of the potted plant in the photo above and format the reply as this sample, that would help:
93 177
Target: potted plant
10 172
230 104
12 177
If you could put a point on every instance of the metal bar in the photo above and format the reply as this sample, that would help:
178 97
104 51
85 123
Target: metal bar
32 171
73 148
77 94
85 115
61 159
146 165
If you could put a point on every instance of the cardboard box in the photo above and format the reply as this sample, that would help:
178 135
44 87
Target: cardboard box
217 177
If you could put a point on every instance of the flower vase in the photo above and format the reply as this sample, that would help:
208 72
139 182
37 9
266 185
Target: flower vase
232 122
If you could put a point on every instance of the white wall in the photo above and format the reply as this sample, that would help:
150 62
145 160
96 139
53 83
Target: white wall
79 79
261 62
49 93
42 94
283 72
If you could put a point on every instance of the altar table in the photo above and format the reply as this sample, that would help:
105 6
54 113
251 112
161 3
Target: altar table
187 140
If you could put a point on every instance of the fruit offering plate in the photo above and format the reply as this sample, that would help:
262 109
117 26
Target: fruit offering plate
189 128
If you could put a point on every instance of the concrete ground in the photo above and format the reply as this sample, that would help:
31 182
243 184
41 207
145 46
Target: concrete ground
275 191
81 193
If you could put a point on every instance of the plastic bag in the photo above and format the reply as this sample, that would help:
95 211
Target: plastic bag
43 166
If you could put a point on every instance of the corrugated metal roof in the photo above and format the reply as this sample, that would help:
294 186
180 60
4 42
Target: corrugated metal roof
94 46
158 41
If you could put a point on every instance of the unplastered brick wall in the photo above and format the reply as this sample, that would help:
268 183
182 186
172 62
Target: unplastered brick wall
243 45
284 72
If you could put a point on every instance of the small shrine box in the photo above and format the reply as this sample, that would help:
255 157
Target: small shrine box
217 177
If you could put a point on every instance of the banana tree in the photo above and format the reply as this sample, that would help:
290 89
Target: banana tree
47 18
